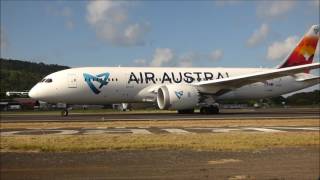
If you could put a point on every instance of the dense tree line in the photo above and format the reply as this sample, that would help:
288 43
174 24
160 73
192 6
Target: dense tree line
22 75
304 98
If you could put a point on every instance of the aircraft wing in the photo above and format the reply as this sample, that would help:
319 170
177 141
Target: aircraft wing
221 86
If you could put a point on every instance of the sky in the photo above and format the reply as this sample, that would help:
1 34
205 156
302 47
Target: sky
155 33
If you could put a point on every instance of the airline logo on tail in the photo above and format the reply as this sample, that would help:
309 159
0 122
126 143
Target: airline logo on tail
102 79
316 29
305 50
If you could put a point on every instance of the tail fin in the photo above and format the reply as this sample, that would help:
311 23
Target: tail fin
304 52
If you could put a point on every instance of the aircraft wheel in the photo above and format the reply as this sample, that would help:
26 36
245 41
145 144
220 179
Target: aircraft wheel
204 110
209 110
214 110
64 113
186 111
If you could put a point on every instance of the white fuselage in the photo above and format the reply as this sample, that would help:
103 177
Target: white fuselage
135 84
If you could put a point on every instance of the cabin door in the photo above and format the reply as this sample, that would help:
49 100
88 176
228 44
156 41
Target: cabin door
72 81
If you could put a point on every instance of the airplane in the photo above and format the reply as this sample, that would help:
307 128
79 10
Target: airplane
178 88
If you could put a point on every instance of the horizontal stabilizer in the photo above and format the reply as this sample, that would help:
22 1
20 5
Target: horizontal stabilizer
317 78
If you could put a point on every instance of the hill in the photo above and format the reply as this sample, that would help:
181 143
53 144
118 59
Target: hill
19 75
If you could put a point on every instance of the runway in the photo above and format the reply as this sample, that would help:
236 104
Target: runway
279 113
150 130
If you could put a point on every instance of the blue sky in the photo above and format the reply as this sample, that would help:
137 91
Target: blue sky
154 33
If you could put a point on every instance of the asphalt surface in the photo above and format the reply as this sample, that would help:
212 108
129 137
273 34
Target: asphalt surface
280 113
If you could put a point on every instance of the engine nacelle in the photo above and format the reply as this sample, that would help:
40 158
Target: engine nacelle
178 97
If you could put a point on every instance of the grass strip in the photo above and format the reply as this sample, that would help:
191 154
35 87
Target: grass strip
243 141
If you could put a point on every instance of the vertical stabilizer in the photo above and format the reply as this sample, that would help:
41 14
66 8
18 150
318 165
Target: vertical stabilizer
304 52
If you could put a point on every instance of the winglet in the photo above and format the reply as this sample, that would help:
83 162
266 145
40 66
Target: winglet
304 52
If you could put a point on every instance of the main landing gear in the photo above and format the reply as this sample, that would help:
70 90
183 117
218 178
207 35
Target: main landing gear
186 111
213 109
65 111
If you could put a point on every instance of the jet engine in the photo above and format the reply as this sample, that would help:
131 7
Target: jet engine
178 97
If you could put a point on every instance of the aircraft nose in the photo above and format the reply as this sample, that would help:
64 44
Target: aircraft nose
33 93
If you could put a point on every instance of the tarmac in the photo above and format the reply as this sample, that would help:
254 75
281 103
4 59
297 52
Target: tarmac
279 113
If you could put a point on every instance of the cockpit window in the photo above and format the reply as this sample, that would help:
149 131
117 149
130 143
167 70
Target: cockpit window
48 81
42 80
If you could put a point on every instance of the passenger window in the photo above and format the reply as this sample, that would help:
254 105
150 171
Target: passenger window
48 81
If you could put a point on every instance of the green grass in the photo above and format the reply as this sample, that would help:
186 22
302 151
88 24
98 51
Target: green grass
209 142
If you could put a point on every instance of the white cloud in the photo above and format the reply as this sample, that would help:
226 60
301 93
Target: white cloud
167 57
69 24
161 57
258 36
110 21
66 13
280 49
216 55
3 39
98 11
316 3
140 62
273 9
227 2
187 59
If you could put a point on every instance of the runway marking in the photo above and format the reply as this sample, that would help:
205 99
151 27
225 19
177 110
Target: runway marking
10 133
224 130
176 131
202 128
94 132
223 161
65 132
299 128
263 129
118 130
140 131
153 130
